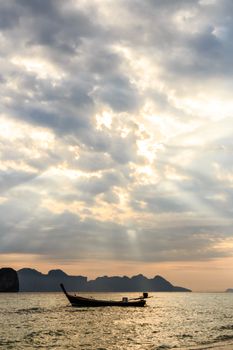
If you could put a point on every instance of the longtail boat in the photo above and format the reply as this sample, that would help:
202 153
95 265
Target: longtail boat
79 301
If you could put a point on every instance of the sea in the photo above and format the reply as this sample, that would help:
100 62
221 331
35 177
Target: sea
169 321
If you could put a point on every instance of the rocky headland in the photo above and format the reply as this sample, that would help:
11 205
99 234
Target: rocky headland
9 281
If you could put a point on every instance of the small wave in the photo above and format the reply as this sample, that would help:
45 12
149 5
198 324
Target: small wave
56 333
226 328
184 336
10 343
78 310
224 337
30 310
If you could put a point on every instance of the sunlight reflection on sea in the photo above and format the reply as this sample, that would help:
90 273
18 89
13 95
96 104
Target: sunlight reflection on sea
170 321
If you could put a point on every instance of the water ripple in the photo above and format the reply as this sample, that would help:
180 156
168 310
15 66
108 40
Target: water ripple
171 321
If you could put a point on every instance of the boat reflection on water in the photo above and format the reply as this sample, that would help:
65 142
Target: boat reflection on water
79 301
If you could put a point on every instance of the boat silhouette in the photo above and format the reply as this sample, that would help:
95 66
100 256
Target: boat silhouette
80 301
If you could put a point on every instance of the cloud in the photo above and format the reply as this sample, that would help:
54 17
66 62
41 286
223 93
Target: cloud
115 118
10 179
108 240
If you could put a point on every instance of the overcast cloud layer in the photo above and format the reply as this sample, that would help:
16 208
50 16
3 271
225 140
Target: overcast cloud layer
116 129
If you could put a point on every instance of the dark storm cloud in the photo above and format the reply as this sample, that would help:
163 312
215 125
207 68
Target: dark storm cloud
119 94
51 23
9 16
36 7
96 185
64 123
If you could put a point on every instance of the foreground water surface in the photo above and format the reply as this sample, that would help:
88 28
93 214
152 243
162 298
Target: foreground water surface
169 321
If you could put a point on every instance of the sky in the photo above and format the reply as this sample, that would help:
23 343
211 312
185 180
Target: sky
116 138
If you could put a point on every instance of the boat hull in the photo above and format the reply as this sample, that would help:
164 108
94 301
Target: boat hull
79 301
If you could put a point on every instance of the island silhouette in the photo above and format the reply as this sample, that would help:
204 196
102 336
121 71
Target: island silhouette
31 280
9 282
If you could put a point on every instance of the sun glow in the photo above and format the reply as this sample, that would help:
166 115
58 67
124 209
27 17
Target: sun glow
104 120
41 68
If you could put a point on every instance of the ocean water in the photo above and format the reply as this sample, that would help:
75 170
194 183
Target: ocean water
169 321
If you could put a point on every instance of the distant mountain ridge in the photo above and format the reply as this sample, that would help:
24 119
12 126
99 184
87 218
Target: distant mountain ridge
31 280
